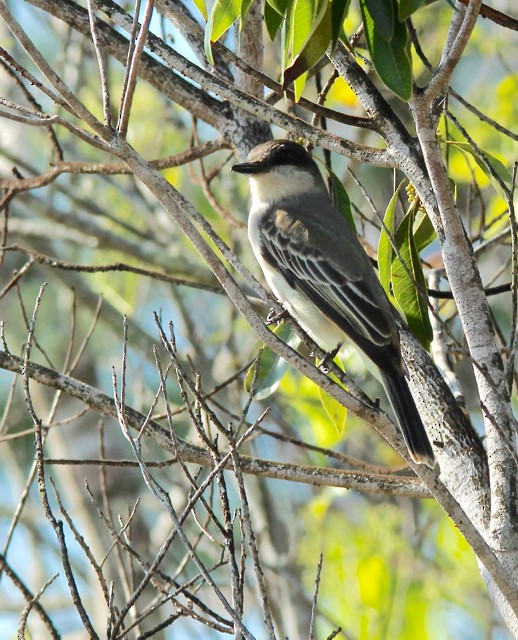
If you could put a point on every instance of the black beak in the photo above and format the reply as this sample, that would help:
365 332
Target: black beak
247 167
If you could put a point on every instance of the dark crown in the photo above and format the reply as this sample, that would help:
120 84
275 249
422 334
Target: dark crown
281 152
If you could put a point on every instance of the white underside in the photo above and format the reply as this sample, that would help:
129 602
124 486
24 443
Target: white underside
324 332
266 189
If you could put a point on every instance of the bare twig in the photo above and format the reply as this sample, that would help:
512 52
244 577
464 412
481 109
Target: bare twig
132 70
78 108
108 168
312 635
30 606
101 61
10 66
56 524
165 500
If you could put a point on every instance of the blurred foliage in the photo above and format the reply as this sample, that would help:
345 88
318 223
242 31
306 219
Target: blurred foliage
392 568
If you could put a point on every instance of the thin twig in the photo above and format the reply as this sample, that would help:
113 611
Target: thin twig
57 525
109 168
104 404
30 606
6 568
312 624
75 104
101 61
39 258
132 71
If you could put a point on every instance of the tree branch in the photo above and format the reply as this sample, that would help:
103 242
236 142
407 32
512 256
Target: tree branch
187 452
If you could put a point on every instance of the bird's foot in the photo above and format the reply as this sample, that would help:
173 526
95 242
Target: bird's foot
325 364
274 317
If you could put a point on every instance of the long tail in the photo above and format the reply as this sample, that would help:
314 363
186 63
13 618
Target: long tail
408 417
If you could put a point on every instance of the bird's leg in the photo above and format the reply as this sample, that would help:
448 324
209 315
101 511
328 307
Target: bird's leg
273 316
328 358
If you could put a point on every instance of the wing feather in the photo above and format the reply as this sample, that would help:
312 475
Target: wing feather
345 298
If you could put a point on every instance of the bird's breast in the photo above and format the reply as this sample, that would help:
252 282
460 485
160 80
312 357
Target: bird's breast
324 332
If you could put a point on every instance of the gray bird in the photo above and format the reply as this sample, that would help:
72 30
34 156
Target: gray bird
315 265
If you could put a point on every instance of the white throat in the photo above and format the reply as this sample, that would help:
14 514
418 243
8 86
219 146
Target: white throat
280 184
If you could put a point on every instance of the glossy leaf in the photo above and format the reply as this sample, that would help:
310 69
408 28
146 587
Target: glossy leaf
302 19
273 18
390 59
271 367
222 16
385 250
281 6
407 278
299 84
383 16
340 198
313 49
303 16
340 9
324 34
407 8
424 233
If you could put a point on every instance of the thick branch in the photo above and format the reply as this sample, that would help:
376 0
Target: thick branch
473 309
261 111
457 40
194 32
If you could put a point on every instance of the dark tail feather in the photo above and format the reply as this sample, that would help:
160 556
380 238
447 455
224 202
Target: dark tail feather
408 417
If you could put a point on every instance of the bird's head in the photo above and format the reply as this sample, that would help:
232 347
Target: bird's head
279 169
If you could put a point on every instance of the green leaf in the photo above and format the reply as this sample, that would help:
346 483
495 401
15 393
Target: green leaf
405 282
302 16
390 59
340 198
273 19
271 367
340 9
324 33
280 6
200 5
335 411
313 49
498 167
382 14
222 16
299 84
407 8
424 233
385 250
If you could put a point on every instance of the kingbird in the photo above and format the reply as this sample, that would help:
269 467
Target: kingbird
315 265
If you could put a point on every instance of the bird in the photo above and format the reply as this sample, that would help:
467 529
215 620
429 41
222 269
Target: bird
316 267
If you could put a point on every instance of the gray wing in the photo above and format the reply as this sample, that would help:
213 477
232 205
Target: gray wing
348 296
